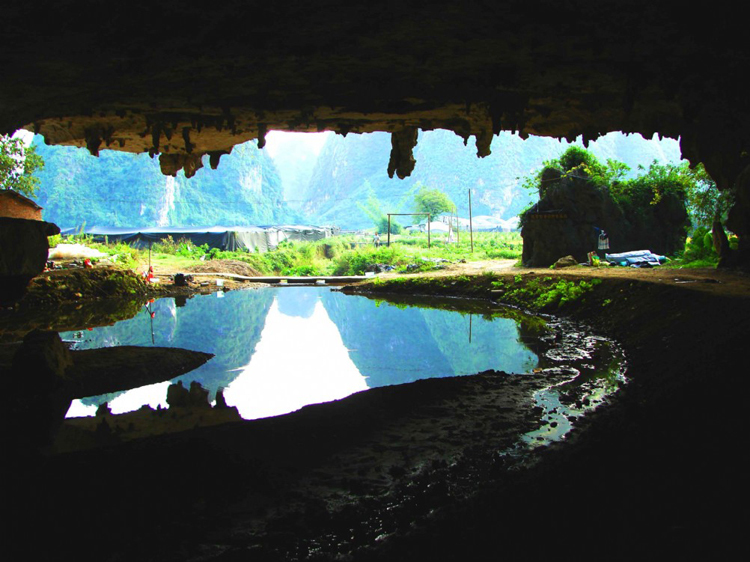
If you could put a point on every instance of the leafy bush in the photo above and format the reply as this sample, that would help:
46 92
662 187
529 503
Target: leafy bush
544 293
699 250
121 253
564 292
165 246
188 250
303 271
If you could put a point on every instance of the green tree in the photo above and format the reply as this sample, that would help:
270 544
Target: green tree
375 213
18 165
433 201
706 203
576 162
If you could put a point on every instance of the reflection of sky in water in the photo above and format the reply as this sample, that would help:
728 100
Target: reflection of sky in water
154 395
298 361
278 350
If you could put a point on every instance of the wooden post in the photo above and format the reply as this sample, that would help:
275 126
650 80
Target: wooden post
429 219
471 226
389 230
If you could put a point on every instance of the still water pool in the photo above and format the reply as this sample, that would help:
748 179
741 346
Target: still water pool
279 349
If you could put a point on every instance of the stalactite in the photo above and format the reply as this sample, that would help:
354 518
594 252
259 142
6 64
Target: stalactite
402 160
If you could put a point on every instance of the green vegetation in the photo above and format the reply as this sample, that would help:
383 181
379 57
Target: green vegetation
648 187
634 195
120 254
375 213
706 203
543 293
122 189
432 201
18 166
575 162
341 255
651 198
530 292
700 251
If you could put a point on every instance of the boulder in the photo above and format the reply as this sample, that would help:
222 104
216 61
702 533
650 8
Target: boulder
23 254
567 261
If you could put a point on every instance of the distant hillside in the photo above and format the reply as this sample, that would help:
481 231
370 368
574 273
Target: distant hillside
295 158
349 168
297 182
122 189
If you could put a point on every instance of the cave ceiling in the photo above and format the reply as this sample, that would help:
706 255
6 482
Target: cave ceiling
185 79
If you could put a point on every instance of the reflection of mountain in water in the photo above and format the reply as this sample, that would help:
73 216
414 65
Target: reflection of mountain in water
299 360
473 344
228 327
298 301
313 337
394 345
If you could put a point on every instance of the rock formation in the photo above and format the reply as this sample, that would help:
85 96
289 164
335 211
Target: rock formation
572 211
183 81
23 254
44 376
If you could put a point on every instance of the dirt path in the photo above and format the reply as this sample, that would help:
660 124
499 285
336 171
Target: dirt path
716 281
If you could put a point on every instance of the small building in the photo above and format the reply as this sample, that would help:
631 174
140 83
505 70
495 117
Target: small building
13 205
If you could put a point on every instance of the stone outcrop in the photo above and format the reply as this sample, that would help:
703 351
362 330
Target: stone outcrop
572 211
113 369
43 378
23 254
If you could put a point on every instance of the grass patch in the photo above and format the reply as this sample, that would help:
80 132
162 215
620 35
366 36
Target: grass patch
545 293
341 255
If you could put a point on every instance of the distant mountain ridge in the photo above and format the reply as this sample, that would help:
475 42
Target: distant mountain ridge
123 189
301 185
349 168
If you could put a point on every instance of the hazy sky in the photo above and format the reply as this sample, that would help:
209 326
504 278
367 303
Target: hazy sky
280 140
25 135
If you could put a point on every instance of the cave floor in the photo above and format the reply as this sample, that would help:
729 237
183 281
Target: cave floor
413 470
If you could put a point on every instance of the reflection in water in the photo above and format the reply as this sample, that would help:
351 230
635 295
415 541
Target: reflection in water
153 395
299 360
280 349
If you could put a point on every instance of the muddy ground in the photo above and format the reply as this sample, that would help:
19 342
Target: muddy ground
412 472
